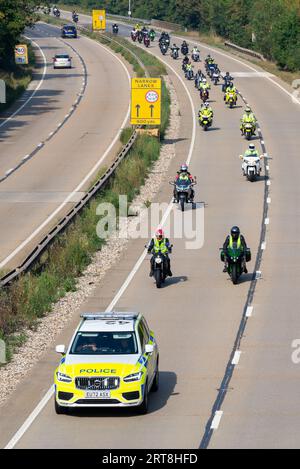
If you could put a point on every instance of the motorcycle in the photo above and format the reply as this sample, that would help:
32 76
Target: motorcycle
226 84
196 56
115 29
216 77
147 41
251 167
140 37
56 13
231 98
235 262
164 48
248 130
152 35
205 122
204 95
175 54
134 36
183 191
184 50
189 75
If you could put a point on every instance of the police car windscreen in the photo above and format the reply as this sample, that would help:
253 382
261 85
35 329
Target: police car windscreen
104 343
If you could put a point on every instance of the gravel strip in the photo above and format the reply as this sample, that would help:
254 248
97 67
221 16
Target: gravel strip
43 337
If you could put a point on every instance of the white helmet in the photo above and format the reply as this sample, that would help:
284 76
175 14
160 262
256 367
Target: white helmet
204 80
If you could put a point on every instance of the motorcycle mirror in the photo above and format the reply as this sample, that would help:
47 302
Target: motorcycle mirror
261 157
241 157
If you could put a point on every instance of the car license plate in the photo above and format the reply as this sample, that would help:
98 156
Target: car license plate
97 394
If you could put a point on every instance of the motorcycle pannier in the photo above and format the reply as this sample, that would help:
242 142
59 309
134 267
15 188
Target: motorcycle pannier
222 255
248 255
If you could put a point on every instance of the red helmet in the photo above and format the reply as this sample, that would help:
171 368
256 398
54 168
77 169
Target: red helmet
184 167
159 234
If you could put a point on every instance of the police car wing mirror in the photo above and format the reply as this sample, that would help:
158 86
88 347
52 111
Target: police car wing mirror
241 157
60 349
261 157
149 348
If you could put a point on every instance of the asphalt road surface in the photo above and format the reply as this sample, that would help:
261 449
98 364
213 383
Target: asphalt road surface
197 314
33 197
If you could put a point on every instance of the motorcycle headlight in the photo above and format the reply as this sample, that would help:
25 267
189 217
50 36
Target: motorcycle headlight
133 377
63 378
158 260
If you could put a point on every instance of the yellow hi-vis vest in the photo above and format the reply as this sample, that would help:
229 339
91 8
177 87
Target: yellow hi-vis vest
238 243
160 246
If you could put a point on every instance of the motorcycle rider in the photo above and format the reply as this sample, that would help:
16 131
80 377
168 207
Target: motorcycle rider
184 48
174 48
231 89
227 80
209 60
235 237
250 153
204 86
160 244
195 51
115 27
248 118
185 62
152 34
184 173
188 68
206 111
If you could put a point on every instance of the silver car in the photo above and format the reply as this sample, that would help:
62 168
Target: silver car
62 61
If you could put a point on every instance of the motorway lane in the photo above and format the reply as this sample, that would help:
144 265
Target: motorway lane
63 163
52 101
195 316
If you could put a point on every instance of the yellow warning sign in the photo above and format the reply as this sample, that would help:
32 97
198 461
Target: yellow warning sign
21 54
145 101
99 20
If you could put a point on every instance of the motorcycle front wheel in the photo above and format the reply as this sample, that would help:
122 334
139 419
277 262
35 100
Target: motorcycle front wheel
158 278
234 274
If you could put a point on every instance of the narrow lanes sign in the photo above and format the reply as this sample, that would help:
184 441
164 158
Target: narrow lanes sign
145 101
99 20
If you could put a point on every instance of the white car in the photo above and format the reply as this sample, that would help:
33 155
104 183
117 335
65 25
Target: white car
62 61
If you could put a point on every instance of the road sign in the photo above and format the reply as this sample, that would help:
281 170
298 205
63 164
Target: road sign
2 92
145 101
21 54
99 20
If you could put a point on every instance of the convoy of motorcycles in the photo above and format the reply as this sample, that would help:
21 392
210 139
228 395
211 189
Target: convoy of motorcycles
236 256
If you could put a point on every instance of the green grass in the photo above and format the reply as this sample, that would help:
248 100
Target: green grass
17 78
32 295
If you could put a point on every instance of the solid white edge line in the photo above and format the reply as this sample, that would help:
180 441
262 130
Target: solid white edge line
236 357
49 394
36 89
83 182
14 440
216 420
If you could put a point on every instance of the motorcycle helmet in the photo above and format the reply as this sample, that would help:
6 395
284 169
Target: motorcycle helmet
184 168
235 233
159 234
227 74
248 109
251 147
204 80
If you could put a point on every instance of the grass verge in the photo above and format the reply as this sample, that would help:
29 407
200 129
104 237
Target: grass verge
17 78
32 296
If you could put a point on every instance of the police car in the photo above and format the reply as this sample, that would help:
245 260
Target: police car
112 361
68 30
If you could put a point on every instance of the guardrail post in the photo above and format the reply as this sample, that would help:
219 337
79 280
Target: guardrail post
2 92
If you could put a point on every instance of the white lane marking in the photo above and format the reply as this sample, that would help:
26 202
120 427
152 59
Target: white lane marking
25 157
216 420
291 95
262 142
267 221
30 419
258 275
40 145
236 357
269 200
34 91
49 394
51 133
82 183
249 311
267 168
263 246
9 171
268 183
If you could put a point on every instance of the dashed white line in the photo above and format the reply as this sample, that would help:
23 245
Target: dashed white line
249 311
25 157
258 275
268 168
269 200
216 420
263 246
267 221
9 171
268 183
236 357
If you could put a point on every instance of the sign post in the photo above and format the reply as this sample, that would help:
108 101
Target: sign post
99 20
21 54
2 92
145 101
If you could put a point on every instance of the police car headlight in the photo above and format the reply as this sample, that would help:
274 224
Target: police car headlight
133 377
63 378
